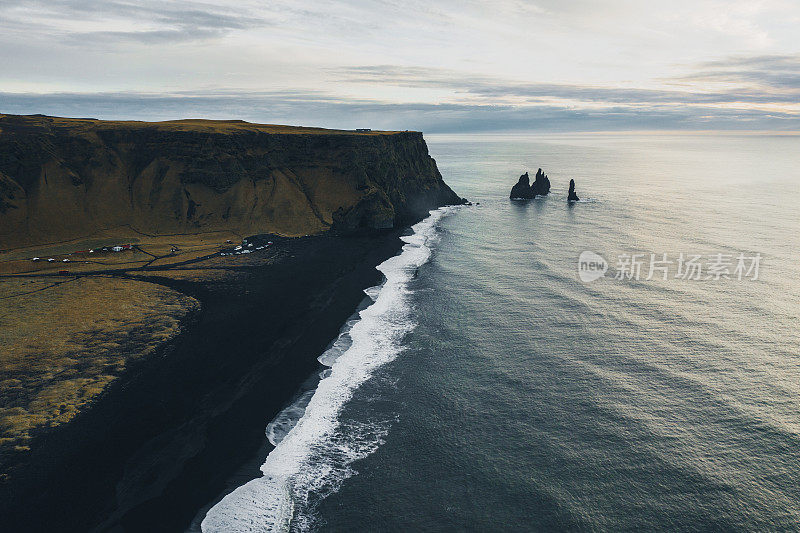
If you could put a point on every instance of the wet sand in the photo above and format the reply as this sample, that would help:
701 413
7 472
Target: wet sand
163 438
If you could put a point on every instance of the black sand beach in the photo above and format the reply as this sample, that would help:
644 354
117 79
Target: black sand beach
162 440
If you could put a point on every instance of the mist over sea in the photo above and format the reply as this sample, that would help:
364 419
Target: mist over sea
486 387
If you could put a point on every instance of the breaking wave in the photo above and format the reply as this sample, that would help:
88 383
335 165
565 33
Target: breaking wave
315 455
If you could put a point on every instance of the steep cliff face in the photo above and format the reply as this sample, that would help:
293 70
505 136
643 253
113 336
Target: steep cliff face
64 179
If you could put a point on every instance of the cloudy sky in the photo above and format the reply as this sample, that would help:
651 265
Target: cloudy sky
435 65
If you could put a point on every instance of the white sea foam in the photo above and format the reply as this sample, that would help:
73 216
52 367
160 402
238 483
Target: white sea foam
316 454
373 292
287 419
340 345
290 415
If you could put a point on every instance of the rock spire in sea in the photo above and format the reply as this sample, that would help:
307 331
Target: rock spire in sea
525 190
571 196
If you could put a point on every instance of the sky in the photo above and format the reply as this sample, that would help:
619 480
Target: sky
436 66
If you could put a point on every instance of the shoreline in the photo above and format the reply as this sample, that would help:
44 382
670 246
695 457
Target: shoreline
168 436
250 468
291 471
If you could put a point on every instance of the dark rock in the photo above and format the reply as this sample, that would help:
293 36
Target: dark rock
373 212
541 184
525 190
571 196
522 189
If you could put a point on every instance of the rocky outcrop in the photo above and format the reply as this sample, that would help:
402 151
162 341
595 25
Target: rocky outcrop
541 185
571 196
522 190
373 211
64 179
525 190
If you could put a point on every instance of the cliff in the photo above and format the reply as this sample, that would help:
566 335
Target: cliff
65 179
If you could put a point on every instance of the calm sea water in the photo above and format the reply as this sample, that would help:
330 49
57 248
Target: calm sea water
489 388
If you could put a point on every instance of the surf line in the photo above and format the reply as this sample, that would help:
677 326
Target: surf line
315 454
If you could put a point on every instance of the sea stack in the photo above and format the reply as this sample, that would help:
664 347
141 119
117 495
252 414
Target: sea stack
571 196
522 189
525 190
541 184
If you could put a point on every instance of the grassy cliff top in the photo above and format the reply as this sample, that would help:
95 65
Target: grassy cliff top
199 125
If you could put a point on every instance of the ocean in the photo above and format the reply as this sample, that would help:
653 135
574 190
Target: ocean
627 362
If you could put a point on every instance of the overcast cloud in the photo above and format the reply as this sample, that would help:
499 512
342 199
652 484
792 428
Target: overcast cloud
432 65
